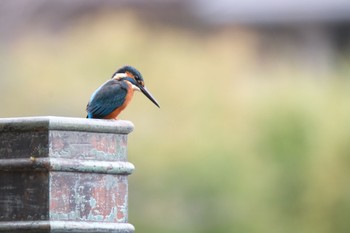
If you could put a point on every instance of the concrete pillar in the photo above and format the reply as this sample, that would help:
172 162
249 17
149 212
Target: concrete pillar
63 175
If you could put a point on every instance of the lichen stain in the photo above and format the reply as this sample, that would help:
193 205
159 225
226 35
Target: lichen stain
122 201
104 198
61 193
105 144
57 144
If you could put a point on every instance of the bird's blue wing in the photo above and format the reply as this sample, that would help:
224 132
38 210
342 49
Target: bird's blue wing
106 99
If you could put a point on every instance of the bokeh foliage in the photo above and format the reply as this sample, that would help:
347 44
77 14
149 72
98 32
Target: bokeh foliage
239 144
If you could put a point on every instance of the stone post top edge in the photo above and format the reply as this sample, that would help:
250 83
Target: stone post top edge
66 124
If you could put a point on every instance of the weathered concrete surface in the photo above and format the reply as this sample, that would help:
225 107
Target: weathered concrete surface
24 196
88 197
64 175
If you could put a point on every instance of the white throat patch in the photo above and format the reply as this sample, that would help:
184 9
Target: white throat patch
135 88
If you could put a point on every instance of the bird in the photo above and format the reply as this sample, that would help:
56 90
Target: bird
112 97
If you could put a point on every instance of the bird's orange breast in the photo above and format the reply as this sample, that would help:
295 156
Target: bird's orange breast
117 111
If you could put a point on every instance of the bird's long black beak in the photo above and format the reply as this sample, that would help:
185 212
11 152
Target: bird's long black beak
148 95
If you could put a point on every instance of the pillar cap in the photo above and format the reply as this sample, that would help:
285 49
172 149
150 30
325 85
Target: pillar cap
66 124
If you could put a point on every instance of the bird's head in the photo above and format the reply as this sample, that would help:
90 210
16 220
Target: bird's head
132 75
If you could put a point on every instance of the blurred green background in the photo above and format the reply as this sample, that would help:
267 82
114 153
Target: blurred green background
253 133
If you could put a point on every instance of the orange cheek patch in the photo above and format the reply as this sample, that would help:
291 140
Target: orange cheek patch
129 74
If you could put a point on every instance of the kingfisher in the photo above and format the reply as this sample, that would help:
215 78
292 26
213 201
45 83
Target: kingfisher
112 97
